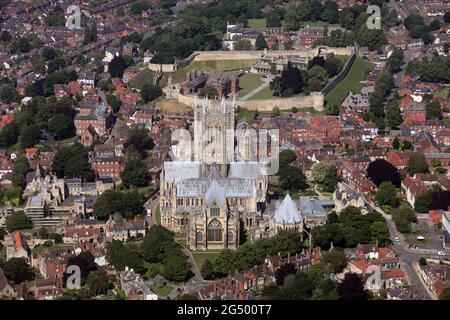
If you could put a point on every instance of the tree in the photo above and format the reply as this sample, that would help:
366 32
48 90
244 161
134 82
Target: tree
176 268
423 261
18 221
72 161
9 135
352 288
387 194
434 25
417 163
276 111
423 201
292 178
121 256
395 60
336 259
283 271
61 126
117 66
135 174
433 110
150 92
440 200
447 17
98 283
207 270
331 232
393 114
380 232
43 233
260 43
243 45
317 78
113 102
127 204
20 170
5 36
289 84
17 270
30 136
380 171
403 217
138 136
445 294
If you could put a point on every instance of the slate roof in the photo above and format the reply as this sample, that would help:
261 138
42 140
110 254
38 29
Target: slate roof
288 212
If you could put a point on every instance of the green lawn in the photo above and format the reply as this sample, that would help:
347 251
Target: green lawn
248 83
201 256
142 77
164 291
208 66
318 24
158 215
257 23
444 93
265 93
351 82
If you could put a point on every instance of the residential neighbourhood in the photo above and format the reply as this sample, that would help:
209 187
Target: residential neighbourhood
224 150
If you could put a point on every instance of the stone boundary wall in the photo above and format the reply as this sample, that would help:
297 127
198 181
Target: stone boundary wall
248 55
315 100
333 83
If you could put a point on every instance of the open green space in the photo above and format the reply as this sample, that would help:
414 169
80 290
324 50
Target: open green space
207 66
142 77
248 83
257 23
351 82
319 24
443 93
265 93
201 256
163 291
158 215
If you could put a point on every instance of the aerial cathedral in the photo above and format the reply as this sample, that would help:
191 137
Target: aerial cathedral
216 200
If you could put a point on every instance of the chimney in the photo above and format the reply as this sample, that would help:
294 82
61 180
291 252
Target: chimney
193 73
188 76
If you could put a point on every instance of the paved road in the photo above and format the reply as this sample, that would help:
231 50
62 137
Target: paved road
408 256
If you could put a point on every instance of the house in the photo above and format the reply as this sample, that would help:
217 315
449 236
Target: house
134 287
89 136
47 289
6 290
413 188
81 235
16 246
309 35
99 117
108 167
398 159
121 231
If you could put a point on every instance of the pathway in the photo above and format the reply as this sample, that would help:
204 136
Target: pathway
265 84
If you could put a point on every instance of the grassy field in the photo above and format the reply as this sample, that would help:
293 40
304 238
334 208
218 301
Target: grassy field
248 83
444 93
318 24
265 93
208 66
158 215
171 106
163 291
351 82
144 76
200 257
257 23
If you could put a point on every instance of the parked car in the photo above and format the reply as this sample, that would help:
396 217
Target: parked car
441 253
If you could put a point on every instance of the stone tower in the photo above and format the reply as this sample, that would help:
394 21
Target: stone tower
214 134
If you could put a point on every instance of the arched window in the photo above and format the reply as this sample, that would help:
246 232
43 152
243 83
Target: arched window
199 237
214 231
230 236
